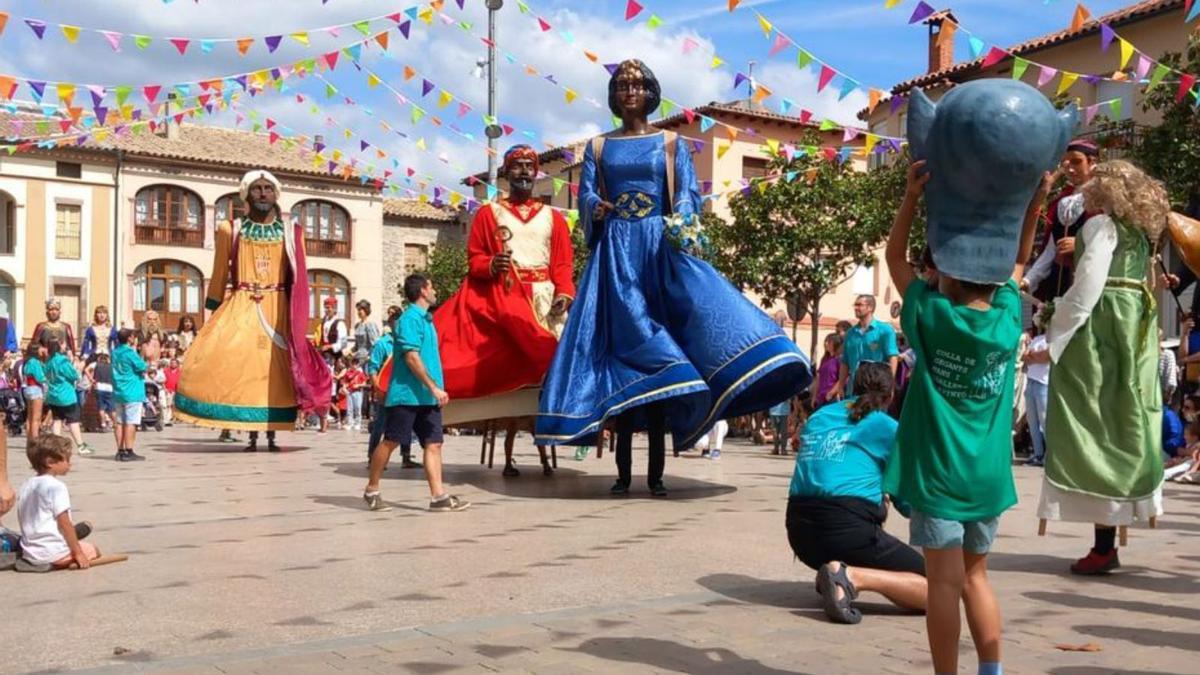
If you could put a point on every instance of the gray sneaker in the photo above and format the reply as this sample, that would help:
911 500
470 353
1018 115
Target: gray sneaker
449 503
375 502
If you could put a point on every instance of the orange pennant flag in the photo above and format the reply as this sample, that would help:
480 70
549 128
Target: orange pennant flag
733 4
243 45
591 57
731 132
873 98
530 70
409 73
761 93
382 39
3 20
1081 17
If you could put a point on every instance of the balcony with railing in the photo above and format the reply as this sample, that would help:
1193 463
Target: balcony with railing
168 236
328 248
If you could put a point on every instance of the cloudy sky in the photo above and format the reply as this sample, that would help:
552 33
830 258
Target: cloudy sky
859 38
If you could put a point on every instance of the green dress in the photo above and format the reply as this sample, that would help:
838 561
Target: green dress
1104 420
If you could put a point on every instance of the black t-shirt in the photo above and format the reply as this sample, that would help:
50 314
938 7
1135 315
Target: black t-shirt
103 373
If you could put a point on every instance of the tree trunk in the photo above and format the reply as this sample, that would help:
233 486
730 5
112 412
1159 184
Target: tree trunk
814 313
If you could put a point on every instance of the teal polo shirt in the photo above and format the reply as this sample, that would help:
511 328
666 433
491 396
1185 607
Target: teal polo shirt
414 332
128 370
840 458
61 376
876 343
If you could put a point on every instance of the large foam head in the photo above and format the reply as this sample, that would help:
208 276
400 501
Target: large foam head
987 144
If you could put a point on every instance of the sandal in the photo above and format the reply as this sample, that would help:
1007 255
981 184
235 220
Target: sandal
838 611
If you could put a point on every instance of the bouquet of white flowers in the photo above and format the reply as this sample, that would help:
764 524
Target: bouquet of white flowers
686 234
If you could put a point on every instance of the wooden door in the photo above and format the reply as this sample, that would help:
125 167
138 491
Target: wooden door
72 307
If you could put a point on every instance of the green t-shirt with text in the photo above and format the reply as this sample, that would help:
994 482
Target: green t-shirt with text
954 444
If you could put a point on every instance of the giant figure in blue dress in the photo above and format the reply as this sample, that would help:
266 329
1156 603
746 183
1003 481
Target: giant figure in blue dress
656 339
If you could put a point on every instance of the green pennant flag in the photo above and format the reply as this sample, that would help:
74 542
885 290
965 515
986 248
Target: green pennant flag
616 122
417 114
666 107
523 7
142 41
330 91
803 58
653 22
1160 71
828 125
1115 106
123 92
257 127
363 27
466 25
558 185
1020 65
43 127
489 120
572 218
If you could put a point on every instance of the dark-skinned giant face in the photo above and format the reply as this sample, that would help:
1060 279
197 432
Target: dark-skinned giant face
260 191
633 90
521 168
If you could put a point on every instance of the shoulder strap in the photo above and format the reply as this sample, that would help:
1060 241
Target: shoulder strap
597 151
669 140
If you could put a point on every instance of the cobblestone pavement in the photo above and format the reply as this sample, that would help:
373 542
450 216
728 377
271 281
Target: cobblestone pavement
268 563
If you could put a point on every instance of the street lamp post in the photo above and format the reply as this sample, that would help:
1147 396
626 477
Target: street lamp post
493 129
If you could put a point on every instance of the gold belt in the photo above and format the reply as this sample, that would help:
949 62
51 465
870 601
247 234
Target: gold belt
530 275
257 290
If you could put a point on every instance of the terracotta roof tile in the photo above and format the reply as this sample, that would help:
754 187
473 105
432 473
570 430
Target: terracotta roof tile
1125 15
414 208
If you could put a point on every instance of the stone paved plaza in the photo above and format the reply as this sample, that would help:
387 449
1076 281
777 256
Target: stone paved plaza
268 563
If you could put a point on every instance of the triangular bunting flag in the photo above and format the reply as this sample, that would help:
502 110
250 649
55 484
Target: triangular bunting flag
1160 71
181 44
689 44
543 25
764 25
569 94
363 27
123 92
761 93
151 92
382 39
873 98
706 123
372 80
1106 36
1126 52
444 99
803 58
243 45
66 93
1068 79
848 85
1089 113
1046 75
995 55
114 39
1115 106
1143 67
70 32
1020 65
1186 82
404 28
1080 17
206 46
38 27
922 12
723 148
827 74
426 87
301 37
733 4
781 43
977 46
653 22
273 42
716 63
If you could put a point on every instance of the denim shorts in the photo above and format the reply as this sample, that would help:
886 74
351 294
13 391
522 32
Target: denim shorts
929 531
104 401
129 413
33 393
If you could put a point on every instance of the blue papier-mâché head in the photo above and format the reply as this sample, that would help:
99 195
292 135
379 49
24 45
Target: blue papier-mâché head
987 144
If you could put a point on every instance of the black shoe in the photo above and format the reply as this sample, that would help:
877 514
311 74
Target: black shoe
271 447
658 489
409 464
547 470
510 471
251 447
120 456
619 488
131 456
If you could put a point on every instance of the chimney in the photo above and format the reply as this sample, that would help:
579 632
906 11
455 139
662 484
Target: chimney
318 142
942 26
172 108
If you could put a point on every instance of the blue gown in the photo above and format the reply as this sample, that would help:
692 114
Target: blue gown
651 324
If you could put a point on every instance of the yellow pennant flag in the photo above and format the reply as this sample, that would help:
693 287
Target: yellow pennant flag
444 99
373 80
1126 52
426 15
66 93
347 133
872 139
455 198
764 25
772 146
1068 79
890 4
301 37
570 94
762 186
723 148
716 62
421 143
71 33
337 156
101 135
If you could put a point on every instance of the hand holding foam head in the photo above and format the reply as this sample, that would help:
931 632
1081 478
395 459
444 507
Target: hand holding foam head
987 144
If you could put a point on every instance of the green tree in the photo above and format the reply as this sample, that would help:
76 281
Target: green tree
1170 151
446 268
799 237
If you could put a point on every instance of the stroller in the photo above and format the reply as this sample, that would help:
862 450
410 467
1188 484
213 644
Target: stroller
151 409
12 409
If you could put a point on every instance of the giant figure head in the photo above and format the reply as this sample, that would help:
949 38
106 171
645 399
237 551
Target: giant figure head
987 144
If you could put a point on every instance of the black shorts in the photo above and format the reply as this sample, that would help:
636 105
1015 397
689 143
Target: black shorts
847 529
400 421
66 413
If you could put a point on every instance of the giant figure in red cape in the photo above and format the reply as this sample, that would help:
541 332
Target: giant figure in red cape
498 333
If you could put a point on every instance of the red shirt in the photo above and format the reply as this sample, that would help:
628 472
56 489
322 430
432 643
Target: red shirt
354 379
172 378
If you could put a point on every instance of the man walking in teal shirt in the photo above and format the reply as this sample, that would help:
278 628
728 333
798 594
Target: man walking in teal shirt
868 340
129 393
415 398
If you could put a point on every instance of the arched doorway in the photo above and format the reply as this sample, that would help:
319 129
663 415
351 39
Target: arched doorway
171 288
326 284
8 304
8 224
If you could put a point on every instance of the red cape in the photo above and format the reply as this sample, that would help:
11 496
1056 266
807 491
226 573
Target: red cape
489 340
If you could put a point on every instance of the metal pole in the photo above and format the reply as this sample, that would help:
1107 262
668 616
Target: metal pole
493 130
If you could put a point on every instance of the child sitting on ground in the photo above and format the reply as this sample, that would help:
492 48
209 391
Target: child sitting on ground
48 536
1184 467
953 450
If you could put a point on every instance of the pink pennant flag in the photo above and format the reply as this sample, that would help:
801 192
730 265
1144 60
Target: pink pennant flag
335 31
463 109
331 59
1143 66
849 134
995 55
689 114
1186 82
632 9
543 24
1046 75
114 39
781 43
689 44
151 92
1089 113
827 74
181 44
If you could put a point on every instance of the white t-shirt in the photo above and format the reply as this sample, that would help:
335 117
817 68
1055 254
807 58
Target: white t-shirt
1039 372
40 501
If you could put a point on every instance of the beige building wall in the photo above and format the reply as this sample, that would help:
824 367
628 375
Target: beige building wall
34 266
400 233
